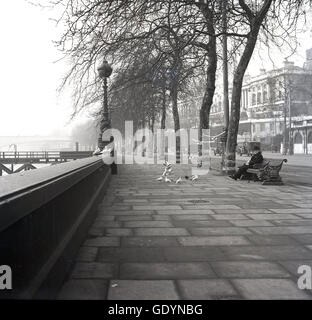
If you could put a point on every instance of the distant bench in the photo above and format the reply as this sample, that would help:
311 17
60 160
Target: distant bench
267 172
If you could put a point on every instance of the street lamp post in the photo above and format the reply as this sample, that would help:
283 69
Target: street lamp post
104 71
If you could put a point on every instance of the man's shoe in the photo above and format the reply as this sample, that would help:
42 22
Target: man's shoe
233 177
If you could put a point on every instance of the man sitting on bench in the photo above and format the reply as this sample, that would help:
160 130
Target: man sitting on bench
256 158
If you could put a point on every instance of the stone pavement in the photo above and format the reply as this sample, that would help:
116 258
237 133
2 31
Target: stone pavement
210 239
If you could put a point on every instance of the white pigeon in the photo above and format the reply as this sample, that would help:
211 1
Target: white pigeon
159 179
97 152
194 177
179 180
167 164
167 179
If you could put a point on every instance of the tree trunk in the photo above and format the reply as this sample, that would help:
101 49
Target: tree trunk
163 110
176 118
210 85
175 111
153 121
237 89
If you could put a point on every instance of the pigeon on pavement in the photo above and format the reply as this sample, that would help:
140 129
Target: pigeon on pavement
179 180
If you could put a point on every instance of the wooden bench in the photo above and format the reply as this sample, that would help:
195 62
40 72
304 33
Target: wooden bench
267 172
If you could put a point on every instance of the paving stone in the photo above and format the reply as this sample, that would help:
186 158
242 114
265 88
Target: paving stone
210 206
242 211
84 289
149 242
127 254
118 232
168 270
135 200
294 210
235 216
186 212
135 218
147 224
161 232
267 253
169 200
303 238
213 241
191 217
87 254
303 205
275 216
292 265
130 212
93 270
269 289
265 205
142 290
272 240
219 231
201 223
251 223
106 224
151 207
115 207
161 217
104 217
305 215
302 222
103 242
96 232
247 269
207 289
282 230
193 254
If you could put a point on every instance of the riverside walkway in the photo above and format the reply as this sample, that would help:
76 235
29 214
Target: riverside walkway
213 238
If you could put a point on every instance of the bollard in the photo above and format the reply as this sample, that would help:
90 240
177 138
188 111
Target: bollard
114 168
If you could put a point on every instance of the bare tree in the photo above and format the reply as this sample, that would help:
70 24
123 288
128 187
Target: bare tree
251 18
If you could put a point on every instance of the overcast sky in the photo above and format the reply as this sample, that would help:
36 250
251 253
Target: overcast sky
29 78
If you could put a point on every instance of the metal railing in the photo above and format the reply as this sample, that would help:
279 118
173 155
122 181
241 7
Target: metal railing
22 157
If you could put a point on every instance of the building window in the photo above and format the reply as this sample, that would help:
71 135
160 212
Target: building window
259 98
279 94
253 99
262 127
298 123
298 138
310 137
265 96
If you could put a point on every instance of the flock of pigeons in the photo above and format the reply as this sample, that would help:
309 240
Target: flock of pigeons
166 176
168 172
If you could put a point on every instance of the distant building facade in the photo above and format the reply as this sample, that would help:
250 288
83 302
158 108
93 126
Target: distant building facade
276 108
